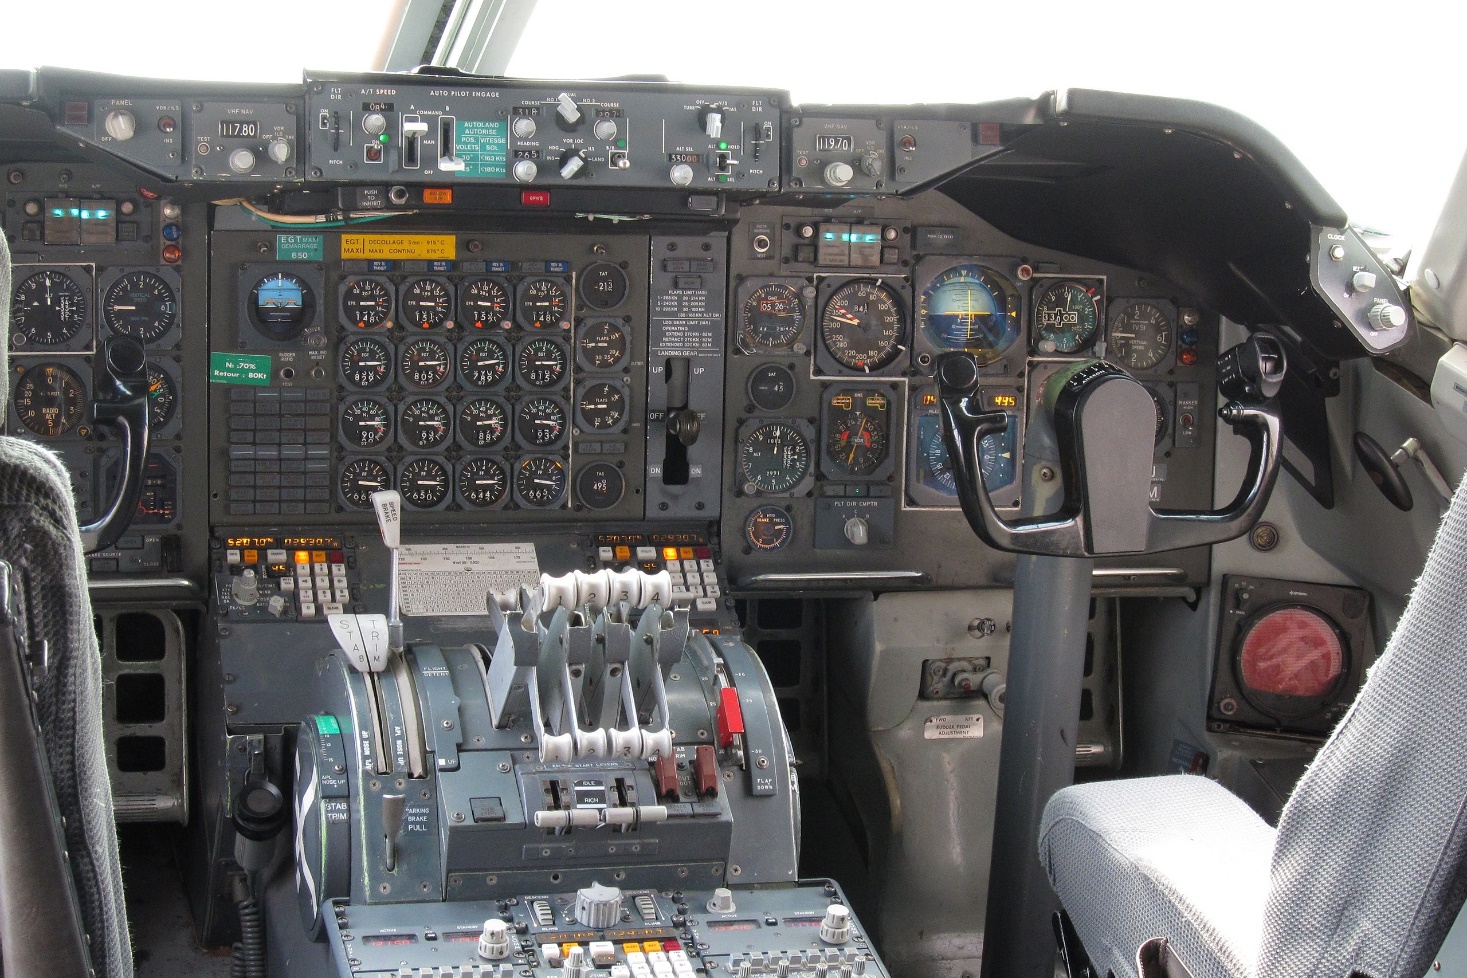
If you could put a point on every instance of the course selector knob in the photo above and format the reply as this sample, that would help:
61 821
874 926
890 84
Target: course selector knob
598 906
1386 315
604 129
494 942
242 160
120 124
681 174
839 173
835 928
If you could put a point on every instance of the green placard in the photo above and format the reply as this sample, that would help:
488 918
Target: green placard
239 368
300 247
326 723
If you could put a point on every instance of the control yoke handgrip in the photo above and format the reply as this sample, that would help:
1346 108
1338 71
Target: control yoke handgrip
121 404
1065 533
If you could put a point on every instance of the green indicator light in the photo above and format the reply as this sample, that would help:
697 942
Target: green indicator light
621 144
384 137
327 724
722 145
722 178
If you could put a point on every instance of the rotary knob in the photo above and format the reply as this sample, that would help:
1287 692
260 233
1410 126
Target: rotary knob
680 174
1386 315
572 163
722 902
374 123
838 174
576 965
598 906
494 942
525 171
604 129
279 151
871 164
523 127
242 160
120 124
857 530
835 928
568 110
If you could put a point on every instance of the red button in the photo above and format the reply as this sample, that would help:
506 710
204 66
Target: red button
705 770
534 198
670 946
336 557
730 716
703 553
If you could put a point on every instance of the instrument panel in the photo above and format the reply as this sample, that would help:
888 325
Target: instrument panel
762 366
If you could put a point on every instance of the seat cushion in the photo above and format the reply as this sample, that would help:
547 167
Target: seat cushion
1177 857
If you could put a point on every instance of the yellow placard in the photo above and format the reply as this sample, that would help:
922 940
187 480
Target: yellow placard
382 247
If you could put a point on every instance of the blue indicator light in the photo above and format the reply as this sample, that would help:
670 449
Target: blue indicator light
75 211
172 232
103 214
1188 337
828 235
57 212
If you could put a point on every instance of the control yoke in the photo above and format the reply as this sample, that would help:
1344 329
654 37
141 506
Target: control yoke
1103 421
122 405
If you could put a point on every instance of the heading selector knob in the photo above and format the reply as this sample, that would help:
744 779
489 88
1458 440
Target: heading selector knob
835 928
121 125
839 173
242 160
494 942
598 906
525 171
523 127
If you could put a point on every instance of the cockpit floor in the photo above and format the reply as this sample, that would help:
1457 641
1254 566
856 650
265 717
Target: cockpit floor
158 915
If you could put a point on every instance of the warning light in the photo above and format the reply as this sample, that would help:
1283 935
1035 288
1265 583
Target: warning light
302 556
669 553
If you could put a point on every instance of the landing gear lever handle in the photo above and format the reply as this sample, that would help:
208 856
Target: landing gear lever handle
121 376
1103 422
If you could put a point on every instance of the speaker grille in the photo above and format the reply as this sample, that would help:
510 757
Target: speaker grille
1292 653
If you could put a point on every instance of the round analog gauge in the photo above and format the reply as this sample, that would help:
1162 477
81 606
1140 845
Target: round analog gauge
934 471
366 363
602 344
427 303
366 422
996 456
483 303
482 422
603 285
862 325
540 422
1066 316
600 485
423 482
424 423
1140 335
162 398
772 317
774 457
768 529
970 308
857 442
483 361
482 482
141 305
424 363
282 305
48 308
601 407
541 362
49 400
771 387
366 303
539 481
361 477
1161 412
543 304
